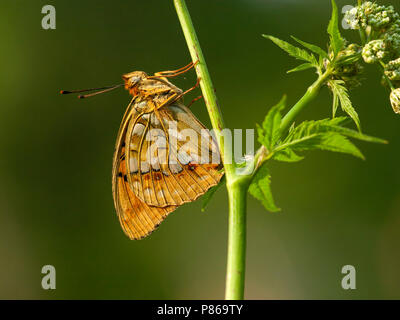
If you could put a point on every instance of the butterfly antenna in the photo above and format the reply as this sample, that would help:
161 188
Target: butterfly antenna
102 90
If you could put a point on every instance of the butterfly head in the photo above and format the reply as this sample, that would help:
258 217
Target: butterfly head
132 79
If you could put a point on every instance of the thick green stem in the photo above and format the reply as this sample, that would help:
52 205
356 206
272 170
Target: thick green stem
310 95
236 185
236 243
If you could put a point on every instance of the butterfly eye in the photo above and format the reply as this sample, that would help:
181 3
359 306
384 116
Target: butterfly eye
134 80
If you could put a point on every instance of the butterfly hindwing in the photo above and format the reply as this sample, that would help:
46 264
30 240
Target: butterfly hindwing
172 157
136 217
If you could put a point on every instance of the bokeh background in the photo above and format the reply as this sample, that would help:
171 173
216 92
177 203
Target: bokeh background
55 188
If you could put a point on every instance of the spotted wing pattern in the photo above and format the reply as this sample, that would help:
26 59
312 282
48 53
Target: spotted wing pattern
136 217
172 157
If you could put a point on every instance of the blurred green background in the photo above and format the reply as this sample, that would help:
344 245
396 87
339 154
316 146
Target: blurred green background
55 187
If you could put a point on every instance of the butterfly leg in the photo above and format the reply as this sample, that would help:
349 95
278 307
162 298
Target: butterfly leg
161 73
174 73
176 96
192 88
194 100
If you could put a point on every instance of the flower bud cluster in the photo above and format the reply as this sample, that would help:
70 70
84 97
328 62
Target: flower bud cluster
395 100
381 25
375 51
371 15
392 70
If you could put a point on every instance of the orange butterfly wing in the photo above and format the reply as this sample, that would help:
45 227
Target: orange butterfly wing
136 217
171 169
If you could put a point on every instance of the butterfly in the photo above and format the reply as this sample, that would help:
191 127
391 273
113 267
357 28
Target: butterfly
164 156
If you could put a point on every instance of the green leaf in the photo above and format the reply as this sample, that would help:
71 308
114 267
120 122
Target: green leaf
326 134
339 90
356 134
269 133
302 67
336 40
301 143
324 141
334 125
260 188
335 104
312 48
338 143
210 193
293 51
311 127
287 155
350 59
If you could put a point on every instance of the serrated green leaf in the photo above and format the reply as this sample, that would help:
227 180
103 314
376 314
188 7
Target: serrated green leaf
334 125
260 188
356 134
335 104
304 66
210 193
350 59
301 143
287 155
312 47
269 133
338 143
336 40
338 89
326 134
293 51
324 141
311 127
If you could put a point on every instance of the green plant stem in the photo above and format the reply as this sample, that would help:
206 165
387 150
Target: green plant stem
363 37
310 95
236 185
236 243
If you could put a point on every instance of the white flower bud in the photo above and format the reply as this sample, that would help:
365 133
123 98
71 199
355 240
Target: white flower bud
374 51
392 70
395 100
